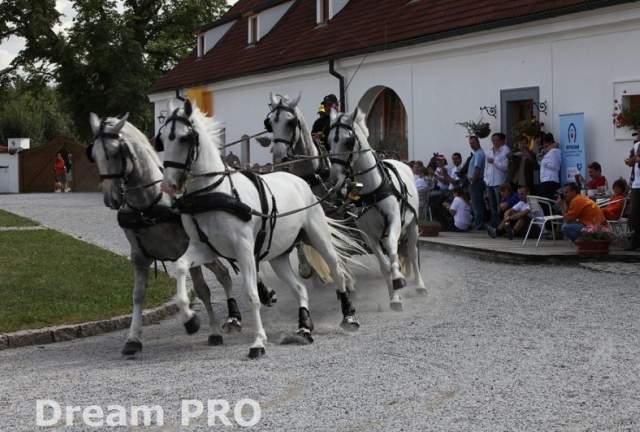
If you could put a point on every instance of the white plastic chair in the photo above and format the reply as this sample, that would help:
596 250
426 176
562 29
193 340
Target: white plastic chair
620 227
539 219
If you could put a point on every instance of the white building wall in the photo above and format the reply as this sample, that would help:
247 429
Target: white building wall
9 173
574 60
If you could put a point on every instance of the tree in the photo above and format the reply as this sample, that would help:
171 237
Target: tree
109 58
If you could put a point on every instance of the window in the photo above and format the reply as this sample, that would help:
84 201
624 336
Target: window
253 30
324 10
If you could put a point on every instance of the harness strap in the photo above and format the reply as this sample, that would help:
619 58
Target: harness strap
204 239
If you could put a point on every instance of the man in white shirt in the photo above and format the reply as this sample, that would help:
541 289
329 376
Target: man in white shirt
460 210
495 173
454 172
516 219
550 163
634 215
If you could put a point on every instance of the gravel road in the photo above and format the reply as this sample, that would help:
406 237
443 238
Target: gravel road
493 347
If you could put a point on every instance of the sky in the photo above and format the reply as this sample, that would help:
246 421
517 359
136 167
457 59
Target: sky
9 48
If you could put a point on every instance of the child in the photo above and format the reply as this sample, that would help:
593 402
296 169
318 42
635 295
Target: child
613 211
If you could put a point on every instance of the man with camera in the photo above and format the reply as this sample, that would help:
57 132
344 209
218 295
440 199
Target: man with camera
578 212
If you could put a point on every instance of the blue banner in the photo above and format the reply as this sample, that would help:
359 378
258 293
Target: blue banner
572 145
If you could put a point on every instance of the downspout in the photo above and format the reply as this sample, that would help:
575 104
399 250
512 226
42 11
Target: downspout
332 71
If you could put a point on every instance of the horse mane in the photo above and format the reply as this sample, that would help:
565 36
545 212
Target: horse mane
134 135
208 127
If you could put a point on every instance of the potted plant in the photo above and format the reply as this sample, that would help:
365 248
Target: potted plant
531 129
594 239
481 129
429 228
624 116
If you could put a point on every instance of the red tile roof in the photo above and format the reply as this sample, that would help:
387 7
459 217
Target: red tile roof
362 26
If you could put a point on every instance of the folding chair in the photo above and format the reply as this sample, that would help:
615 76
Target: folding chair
539 219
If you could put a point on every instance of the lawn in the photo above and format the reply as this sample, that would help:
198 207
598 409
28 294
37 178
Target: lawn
49 278
11 220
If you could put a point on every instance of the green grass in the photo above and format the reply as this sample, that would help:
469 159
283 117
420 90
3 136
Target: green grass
48 278
11 220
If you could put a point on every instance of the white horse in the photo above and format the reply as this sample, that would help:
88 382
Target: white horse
388 199
225 210
291 138
130 173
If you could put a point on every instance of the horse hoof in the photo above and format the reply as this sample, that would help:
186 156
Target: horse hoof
350 324
396 306
257 352
233 325
421 291
305 334
193 325
215 340
131 348
399 283
271 300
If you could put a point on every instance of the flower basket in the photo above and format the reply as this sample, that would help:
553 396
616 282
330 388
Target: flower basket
594 240
480 129
626 117
429 229
531 128
593 247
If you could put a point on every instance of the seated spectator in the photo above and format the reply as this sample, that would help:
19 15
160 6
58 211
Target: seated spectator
508 198
442 173
578 212
597 180
613 211
516 219
460 210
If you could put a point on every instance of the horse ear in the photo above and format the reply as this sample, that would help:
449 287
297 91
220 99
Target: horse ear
333 115
171 106
188 108
118 126
296 101
94 121
357 115
273 99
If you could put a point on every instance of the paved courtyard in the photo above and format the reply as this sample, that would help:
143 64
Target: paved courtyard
493 347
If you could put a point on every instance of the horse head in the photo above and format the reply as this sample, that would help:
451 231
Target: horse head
347 138
113 155
284 123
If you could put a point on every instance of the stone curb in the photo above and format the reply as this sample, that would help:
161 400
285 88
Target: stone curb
515 258
74 331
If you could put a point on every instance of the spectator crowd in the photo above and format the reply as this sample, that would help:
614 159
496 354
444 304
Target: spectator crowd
491 189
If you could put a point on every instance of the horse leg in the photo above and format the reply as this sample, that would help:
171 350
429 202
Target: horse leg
247 265
141 265
204 294
385 268
413 256
267 296
189 318
234 318
320 238
282 268
391 245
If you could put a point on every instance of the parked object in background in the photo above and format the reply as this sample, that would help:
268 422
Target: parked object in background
539 206
429 228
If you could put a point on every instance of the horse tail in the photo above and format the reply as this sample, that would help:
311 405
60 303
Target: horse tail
345 241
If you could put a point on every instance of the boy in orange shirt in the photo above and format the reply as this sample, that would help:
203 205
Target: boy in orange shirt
613 211
578 212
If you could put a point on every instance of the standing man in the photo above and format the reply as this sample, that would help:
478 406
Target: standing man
634 217
476 181
550 163
60 171
495 173
320 129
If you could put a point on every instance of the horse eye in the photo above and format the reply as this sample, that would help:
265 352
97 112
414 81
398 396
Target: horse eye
291 122
184 139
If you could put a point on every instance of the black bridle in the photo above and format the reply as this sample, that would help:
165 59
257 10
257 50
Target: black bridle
294 123
192 139
123 153
351 144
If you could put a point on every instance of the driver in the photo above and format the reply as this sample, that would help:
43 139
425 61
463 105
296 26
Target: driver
320 129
